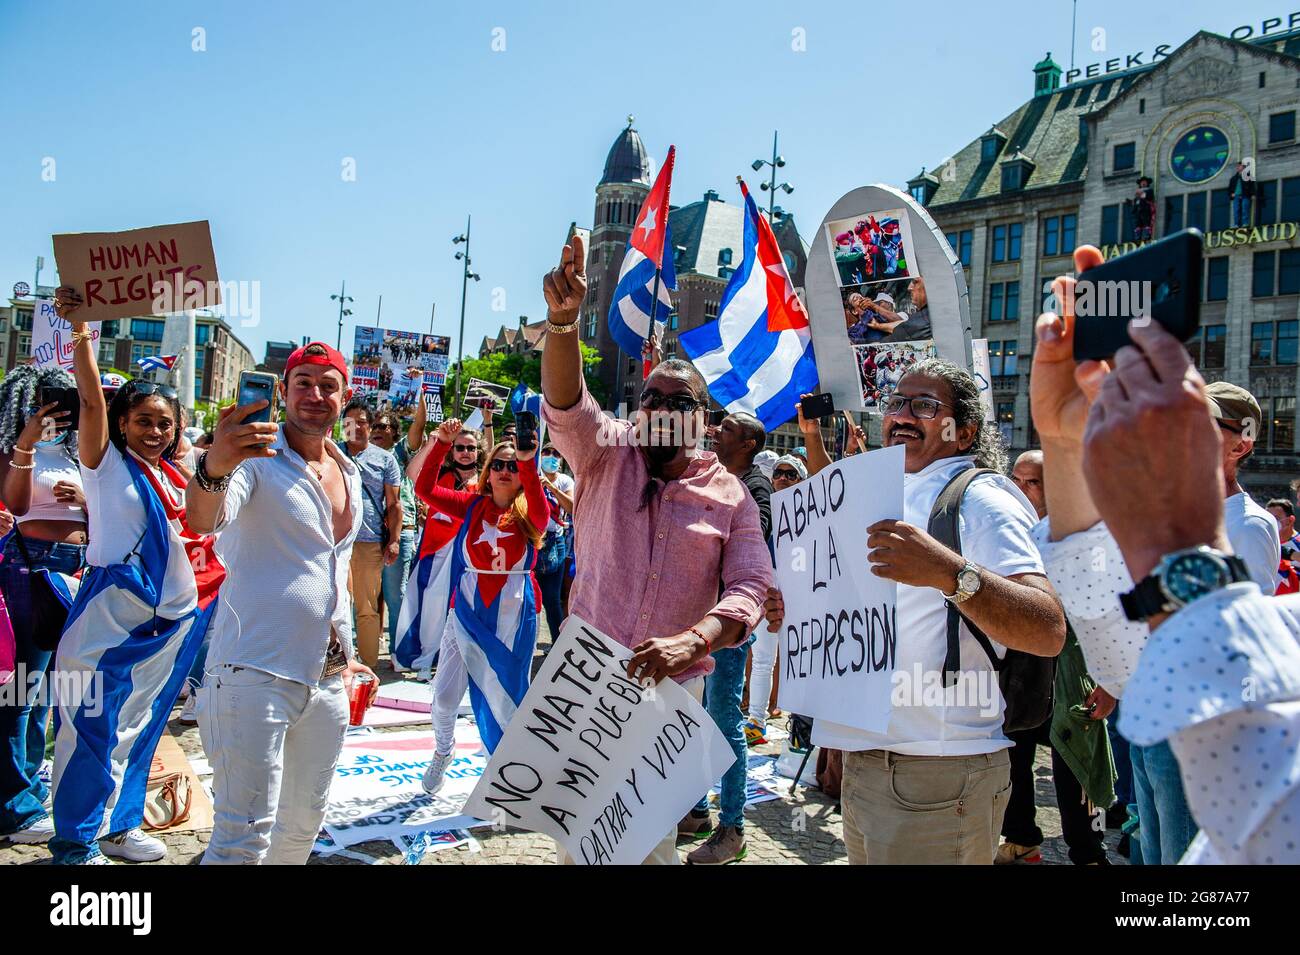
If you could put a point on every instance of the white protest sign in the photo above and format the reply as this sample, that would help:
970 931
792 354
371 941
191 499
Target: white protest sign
837 645
52 336
979 349
475 421
603 765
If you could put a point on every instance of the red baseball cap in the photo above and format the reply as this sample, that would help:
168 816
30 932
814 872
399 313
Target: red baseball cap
332 358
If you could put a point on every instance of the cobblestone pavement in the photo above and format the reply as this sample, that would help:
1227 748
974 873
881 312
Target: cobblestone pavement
800 829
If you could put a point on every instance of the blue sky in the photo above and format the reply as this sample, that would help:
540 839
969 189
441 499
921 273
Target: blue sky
252 133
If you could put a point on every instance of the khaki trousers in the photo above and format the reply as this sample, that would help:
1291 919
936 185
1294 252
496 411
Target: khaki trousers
366 579
665 853
924 810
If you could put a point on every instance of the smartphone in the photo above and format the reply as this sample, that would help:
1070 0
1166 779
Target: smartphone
526 431
67 400
817 406
1160 282
258 386
715 417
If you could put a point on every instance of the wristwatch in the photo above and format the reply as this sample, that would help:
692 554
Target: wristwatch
968 584
1180 578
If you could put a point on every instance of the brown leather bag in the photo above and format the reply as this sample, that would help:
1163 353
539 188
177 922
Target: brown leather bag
830 771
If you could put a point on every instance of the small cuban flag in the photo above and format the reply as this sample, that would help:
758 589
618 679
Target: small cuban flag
630 308
157 362
758 356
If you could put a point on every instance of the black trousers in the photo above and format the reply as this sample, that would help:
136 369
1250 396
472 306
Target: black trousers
1019 825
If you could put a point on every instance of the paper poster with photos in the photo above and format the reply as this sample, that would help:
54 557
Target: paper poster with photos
881 367
401 367
869 301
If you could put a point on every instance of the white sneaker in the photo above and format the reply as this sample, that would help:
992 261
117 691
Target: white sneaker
190 711
97 859
134 846
436 774
34 834
425 675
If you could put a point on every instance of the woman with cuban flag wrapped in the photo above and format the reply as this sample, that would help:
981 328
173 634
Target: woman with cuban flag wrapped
138 619
491 629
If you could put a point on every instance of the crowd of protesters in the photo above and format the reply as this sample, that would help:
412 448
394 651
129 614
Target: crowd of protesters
1122 572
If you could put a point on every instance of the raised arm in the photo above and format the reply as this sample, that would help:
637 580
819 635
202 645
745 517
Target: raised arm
812 441
564 287
444 499
539 508
92 428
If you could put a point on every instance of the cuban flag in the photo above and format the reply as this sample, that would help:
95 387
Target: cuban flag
523 398
758 356
157 362
132 634
631 306
493 618
423 617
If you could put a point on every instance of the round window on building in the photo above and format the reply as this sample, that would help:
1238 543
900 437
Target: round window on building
1199 155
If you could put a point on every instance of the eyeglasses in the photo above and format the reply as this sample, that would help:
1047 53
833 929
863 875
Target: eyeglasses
787 473
498 466
465 447
151 387
653 400
920 406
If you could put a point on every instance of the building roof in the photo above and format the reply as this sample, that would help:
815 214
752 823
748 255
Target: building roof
1046 129
627 160
703 229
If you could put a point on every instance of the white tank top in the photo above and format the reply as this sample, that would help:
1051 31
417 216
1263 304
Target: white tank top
52 465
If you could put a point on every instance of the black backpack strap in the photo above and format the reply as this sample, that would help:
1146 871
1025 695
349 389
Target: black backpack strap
945 527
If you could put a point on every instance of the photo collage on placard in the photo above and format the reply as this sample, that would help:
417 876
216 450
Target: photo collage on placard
399 367
886 317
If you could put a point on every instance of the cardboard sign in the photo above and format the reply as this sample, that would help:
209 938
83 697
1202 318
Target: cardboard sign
52 337
602 764
401 367
837 645
156 271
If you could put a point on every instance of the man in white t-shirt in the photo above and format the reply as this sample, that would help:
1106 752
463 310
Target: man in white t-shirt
933 787
1252 531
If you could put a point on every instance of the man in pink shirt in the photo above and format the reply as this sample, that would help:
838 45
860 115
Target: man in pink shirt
670 555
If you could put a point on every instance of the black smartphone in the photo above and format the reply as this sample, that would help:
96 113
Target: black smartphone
526 431
715 418
1160 282
257 386
66 399
817 406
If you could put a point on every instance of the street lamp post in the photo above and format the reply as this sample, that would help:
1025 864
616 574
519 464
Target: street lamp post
342 298
466 275
771 186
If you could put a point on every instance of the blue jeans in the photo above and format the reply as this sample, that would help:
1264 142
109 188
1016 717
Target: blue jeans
722 691
1123 766
1165 822
22 727
394 582
552 586
1240 210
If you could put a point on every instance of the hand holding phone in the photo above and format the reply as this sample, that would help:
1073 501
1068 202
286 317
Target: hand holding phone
526 431
257 386
817 406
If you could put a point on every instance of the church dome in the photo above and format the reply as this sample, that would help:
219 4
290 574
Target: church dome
627 160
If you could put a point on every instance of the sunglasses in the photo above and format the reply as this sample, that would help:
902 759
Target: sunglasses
920 407
465 447
653 400
498 466
787 473
152 388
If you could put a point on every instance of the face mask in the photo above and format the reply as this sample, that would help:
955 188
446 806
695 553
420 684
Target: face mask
550 465
51 444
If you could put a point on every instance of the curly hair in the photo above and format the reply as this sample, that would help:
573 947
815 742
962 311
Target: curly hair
987 448
18 393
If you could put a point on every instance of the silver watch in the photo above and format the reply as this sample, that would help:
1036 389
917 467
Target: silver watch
968 584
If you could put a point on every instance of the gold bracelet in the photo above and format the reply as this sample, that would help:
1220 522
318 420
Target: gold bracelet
555 329
82 334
